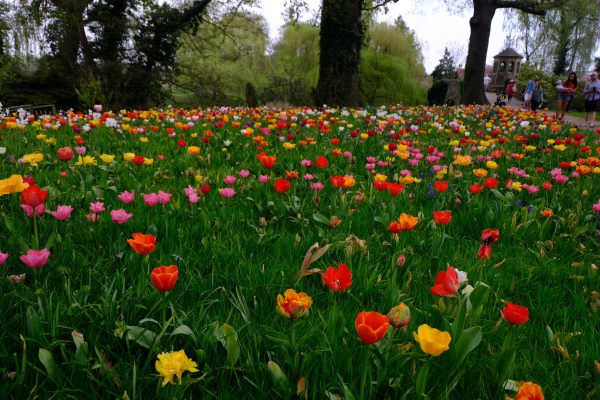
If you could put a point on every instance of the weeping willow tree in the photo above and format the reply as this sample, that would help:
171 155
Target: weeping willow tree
569 33
392 66
218 61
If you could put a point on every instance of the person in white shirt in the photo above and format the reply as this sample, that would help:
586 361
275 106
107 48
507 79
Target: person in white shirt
591 91
486 82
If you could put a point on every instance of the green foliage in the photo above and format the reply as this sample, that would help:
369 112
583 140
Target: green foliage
217 61
446 69
436 94
391 66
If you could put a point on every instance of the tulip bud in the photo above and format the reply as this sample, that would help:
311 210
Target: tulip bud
399 316
401 260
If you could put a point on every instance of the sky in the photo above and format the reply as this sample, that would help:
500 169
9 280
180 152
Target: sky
434 26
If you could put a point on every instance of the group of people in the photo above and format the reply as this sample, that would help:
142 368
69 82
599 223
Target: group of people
533 96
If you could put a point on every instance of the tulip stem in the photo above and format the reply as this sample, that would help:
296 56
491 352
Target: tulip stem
36 241
293 345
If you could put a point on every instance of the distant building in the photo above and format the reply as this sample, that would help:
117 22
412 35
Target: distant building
507 66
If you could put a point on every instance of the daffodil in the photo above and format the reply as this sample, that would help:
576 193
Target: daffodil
87 160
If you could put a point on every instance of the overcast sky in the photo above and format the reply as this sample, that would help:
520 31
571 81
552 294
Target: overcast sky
434 26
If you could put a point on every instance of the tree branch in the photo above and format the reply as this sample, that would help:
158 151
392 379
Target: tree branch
379 4
529 6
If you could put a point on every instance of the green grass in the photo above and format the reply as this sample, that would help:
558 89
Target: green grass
236 255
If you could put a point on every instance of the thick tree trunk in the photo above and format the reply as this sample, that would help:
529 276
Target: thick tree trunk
339 62
481 23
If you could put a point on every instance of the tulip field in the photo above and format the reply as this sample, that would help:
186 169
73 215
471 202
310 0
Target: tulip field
235 253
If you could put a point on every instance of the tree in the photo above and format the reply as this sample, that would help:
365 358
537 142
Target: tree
481 22
569 33
446 69
392 68
342 33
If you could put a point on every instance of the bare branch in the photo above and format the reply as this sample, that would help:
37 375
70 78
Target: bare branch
529 6
379 4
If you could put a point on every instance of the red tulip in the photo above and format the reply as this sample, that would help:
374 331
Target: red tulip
371 326
143 244
164 278
442 217
515 314
475 188
281 185
65 153
446 283
337 181
490 236
440 186
267 161
394 227
322 162
485 250
394 188
490 183
33 196
338 279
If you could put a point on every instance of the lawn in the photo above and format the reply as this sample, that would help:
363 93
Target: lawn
401 252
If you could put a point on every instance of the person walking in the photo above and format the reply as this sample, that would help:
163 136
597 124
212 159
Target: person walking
529 92
565 91
591 91
486 82
510 90
537 96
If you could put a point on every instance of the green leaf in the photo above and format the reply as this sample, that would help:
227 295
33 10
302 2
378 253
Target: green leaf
480 295
421 382
280 380
50 365
468 341
142 336
322 219
182 330
228 337
505 363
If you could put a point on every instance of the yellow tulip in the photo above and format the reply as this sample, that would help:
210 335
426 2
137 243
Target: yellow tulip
293 305
14 184
431 340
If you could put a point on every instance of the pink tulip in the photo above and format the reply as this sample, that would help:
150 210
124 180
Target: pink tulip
97 207
120 216
163 197
39 210
35 258
317 186
126 197
3 257
81 150
150 199
596 207
92 217
62 212
244 173
263 178
227 192
230 180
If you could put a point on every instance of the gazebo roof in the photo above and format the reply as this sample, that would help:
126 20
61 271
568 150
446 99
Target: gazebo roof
509 52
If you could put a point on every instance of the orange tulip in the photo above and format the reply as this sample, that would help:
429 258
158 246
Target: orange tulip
142 244
164 278
407 221
371 326
529 391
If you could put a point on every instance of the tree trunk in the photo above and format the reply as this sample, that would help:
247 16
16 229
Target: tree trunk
481 23
339 62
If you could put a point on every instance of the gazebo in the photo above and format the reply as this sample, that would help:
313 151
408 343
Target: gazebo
507 65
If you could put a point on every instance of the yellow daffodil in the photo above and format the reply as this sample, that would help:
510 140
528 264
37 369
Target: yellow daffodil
174 363
431 340
87 160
